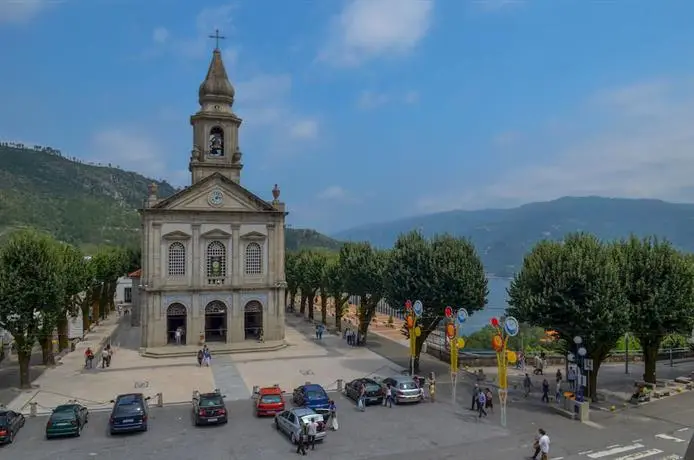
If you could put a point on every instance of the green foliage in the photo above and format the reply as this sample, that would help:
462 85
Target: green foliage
634 344
529 340
658 283
573 288
87 205
311 264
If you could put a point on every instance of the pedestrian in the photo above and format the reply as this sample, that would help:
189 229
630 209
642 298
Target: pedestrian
389 396
206 356
333 416
88 358
545 391
558 393
543 443
527 384
312 429
559 376
361 403
201 356
536 446
489 400
475 390
481 403
104 358
177 335
301 439
321 330
432 386
317 332
571 377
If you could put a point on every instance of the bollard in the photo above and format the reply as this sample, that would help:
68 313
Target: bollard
160 399
32 409
339 384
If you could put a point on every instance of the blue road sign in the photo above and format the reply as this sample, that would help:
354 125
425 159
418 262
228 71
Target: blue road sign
418 308
461 315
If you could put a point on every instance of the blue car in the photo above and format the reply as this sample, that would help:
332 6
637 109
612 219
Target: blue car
130 413
312 396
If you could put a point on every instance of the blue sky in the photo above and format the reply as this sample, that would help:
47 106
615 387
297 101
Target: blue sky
369 110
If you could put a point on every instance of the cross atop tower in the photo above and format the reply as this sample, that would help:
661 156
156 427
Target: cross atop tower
217 37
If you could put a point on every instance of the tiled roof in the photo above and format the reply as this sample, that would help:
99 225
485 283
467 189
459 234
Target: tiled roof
136 274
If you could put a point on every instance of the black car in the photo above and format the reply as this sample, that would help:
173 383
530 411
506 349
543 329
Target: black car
10 423
374 391
130 413
209 409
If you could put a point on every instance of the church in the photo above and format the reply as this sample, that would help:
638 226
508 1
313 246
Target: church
213 253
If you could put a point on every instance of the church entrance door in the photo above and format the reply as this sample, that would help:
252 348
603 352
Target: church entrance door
253 320
216 322
176 319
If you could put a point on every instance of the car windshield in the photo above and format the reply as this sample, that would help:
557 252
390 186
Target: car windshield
271 399
372 387
129 409
3 420
312 395
407 386
211 402
64 410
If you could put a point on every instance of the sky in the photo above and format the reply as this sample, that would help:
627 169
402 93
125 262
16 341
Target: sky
369 110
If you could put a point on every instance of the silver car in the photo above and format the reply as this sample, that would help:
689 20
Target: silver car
404 389
288 422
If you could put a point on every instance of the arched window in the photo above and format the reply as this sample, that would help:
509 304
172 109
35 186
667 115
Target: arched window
216 260
177 259
254 259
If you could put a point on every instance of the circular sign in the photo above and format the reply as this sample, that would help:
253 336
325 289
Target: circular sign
582 352
511 326
578 340
418 308
417 331
497 343
461 343
494 322
450 331
408 305
570 357
449 312
461 315
511 357
410 321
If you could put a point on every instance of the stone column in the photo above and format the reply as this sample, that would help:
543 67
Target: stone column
195 278
271 260
236 255
156 254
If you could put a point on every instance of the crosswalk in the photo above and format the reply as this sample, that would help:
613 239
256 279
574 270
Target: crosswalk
663 446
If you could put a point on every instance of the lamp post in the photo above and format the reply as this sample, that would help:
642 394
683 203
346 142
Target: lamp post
509 328
413 313
454 330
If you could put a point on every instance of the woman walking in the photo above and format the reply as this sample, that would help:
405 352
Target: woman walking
333 416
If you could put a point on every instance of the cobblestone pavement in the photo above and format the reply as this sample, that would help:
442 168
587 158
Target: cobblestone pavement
405 431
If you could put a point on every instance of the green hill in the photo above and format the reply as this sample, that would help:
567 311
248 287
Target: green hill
503 236
86 204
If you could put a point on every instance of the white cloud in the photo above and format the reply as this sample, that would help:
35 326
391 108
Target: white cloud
130 149
368 29
334 192
160 35
304 129
22 11
207 22
635 141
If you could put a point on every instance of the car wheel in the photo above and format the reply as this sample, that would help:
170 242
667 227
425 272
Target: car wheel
293 438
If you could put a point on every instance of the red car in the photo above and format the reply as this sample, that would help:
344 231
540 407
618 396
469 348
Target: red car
269 401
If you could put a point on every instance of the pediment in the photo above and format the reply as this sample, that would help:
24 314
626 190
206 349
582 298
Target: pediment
216 233
253 236
176 235
215 193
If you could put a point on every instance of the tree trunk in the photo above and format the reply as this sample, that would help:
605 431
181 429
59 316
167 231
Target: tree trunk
63 342
339 307
292 299
95 311
366 313
324 308
46 342
311 305
650 358
286 297
24 359
593 380
304 299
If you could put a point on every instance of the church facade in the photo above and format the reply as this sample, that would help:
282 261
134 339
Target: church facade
213 253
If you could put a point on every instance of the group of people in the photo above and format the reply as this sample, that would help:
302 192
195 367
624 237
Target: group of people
204 356
106 356
309 431
320 330
482 399
353 337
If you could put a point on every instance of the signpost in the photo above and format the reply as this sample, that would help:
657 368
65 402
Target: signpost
413 312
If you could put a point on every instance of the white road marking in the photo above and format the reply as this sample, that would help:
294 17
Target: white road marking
616 450
669 438
585 452
637 440
558 458
683 429
612 446
671 457
642 454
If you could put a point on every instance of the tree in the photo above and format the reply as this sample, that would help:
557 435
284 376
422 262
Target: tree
573 288
444 271
76 278
323 286
363 268
292 275
658 283
312 264
335 287
29 287
109 264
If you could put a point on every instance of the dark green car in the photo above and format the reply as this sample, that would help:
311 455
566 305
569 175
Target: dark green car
67 420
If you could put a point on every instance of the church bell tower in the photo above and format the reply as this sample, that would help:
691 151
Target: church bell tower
215 125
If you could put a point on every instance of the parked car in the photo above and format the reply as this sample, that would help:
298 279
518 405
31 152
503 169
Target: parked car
130 413
10 423
404 389
374 390
289 422
209 409
269 401
67 420
312 396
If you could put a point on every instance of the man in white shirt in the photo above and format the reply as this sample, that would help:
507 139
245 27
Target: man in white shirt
544 444
313 431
